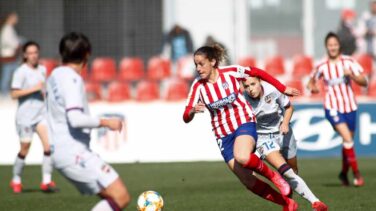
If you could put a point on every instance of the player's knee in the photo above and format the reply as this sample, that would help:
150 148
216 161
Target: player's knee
241 158
122 198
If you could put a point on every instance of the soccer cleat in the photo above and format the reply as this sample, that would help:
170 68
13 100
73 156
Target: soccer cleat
343 177
291 205
358 181
17 187
281 184
319 206
48 187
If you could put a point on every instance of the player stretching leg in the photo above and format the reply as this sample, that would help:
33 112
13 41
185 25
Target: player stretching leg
70 123
27 85
338 71
273 113
218 89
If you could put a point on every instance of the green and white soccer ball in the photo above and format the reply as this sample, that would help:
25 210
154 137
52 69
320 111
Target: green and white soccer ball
150 201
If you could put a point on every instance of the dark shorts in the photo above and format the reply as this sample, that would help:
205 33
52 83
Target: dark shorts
226 144
336 117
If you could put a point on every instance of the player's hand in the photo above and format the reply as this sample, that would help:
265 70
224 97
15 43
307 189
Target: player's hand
199 108
112 124
347 72
284 128
38 87
291 91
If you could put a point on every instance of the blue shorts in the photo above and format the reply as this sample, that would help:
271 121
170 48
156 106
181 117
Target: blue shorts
336 117
226 144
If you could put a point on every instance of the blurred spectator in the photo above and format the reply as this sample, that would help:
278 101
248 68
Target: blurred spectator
346 32
210 41
9 47
178 42
367 30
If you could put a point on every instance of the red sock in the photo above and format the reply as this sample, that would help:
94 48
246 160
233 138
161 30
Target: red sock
254 163
345 164
263 190
351 160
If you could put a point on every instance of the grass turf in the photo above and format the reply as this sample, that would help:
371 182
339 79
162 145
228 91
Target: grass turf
206 186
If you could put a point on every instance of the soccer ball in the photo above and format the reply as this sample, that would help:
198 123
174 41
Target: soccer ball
150 201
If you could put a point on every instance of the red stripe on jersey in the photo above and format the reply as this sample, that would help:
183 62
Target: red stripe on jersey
225 108
237 115
191 98
223 131
332 87
340 90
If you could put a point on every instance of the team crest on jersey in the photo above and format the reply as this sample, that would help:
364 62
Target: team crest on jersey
268 99
225 85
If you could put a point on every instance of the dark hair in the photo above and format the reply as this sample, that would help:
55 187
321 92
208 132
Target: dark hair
331 35
74 48
27 45
212 52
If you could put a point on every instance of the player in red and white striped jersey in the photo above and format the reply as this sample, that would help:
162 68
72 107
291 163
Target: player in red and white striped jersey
338 71
233 121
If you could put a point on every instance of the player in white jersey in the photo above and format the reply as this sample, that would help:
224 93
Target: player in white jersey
69 126
276 142
27 86
218 89
338 71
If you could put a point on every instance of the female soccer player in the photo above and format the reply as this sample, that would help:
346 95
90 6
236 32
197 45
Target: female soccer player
338 71
69 124
27 86
273 113
233 122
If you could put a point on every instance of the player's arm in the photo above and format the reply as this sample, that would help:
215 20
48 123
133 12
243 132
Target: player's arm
284 128
193 105
255 72
312 82
355 74
17 93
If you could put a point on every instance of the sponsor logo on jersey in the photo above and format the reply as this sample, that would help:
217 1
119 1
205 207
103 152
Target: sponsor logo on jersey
222 102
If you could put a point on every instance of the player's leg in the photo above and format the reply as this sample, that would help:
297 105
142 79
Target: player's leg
349 157
47 184
293 163
25 134
115 196
259 187
243 153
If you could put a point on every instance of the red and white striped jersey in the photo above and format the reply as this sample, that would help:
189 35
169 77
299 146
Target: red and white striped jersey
224 100
339 94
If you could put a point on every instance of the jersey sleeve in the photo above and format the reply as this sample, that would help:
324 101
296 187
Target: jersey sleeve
283 100
72 94
18 79
356 68
255 72
316 73
193 97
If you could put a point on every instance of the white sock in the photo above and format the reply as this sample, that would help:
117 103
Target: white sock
102 205
299 186
17 169
46 169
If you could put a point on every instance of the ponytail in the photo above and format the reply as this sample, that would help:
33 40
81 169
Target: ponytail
215 52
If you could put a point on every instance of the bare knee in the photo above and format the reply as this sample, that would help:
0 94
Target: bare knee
123 198
24 150
118 193
241 158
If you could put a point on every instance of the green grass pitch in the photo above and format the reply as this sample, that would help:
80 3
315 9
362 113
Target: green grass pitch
206 186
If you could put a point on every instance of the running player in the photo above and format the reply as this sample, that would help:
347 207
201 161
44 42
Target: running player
338 71
233 122
273 113
27 87
69 126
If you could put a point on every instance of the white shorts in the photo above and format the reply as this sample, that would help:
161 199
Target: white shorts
90 174
26 132
267 143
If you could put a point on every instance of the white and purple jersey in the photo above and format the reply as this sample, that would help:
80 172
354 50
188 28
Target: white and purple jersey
65 92
269 108
31 108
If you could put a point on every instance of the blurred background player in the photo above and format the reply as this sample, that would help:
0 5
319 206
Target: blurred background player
9 46
27 86
347 32
275 137
338 71
218 89
70 124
